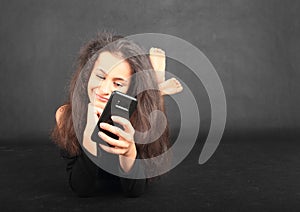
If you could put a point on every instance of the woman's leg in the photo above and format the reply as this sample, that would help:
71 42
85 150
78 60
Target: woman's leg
158 61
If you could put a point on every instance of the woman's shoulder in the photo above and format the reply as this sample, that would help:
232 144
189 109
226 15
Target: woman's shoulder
59 112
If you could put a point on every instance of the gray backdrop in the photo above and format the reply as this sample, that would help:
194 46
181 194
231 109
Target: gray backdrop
253 44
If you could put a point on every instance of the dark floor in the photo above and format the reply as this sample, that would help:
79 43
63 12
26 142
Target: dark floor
241 176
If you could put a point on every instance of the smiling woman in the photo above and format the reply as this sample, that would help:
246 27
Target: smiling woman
106 64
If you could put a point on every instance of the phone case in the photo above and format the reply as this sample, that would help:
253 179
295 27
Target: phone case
119 104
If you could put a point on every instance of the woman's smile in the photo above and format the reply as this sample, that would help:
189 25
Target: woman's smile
101 98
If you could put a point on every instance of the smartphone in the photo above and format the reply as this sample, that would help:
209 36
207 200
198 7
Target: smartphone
119 104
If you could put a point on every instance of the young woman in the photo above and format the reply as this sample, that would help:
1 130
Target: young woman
106 64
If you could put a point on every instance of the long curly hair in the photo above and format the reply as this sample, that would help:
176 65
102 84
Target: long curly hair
149 100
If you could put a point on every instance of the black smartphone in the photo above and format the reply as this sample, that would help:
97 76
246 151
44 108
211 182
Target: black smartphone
119 104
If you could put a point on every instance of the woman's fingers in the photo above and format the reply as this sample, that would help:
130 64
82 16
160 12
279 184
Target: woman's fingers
117 131
114 142
125 123
125 144
113 150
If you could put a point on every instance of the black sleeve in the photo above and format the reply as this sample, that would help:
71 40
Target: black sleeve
133 187
82 174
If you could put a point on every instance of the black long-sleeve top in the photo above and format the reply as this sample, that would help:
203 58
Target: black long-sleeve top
87 179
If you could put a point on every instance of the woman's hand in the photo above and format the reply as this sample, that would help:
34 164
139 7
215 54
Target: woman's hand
91 122
125 146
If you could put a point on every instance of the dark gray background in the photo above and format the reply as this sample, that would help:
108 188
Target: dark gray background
254 46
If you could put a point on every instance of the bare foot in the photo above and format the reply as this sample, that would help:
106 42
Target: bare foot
158 60
170 86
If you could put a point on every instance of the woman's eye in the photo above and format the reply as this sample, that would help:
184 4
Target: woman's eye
118 84
100 77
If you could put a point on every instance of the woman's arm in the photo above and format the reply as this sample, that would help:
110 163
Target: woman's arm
84 180
82 173
124 146
130 186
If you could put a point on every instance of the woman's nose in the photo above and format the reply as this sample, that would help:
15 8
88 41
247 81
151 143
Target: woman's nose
104 87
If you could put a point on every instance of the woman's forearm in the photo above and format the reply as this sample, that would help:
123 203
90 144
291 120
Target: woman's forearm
89 145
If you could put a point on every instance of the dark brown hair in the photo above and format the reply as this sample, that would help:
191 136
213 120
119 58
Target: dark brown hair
148 101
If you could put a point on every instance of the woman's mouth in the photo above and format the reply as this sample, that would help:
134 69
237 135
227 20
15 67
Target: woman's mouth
101 98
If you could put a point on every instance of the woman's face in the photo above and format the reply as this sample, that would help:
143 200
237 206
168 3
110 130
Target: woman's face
110 73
